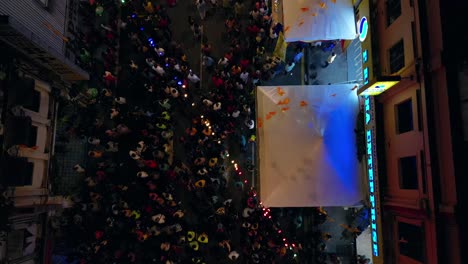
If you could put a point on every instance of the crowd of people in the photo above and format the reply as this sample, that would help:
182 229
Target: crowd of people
142 202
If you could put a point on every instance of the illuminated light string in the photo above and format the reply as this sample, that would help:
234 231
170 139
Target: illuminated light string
266 211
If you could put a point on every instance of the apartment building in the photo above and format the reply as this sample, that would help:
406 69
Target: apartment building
418 97
34 70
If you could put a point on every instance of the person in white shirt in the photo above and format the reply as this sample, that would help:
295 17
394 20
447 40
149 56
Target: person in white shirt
223 62
329 60
289 67
193 77
250 123
244 76
174 92
159 70
217 106
235 114
177 67
207 102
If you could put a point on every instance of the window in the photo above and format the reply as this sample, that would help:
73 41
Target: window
35 102
393 10
408 170
397 57
365 56
32 139
404 116
411 241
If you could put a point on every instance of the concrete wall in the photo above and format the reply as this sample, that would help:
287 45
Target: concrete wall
35 193
412 206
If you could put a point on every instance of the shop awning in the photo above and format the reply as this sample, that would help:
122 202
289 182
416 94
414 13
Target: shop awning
307 146
314 20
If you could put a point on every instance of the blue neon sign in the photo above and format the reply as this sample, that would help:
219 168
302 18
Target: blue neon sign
370 173
365 56
363 28
365 75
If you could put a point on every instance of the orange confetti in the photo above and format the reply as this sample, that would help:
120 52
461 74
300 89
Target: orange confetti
314 14
303 103
284 102
272 113
354 88
284 109
323 5
333 1
286 29
268 117
304 9
333 95
300 23
280 91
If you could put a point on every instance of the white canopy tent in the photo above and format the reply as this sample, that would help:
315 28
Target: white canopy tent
312 20
307 154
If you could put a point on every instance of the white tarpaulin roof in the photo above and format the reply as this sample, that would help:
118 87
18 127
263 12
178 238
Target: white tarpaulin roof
307 154
308 20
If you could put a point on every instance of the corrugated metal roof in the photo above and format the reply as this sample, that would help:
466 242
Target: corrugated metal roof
30 17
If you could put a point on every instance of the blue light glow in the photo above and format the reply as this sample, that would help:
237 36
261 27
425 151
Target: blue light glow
179 83
365 75
363 29
370 173
365 56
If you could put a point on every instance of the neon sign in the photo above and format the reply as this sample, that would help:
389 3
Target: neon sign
363 28
365 75
365 56
370 172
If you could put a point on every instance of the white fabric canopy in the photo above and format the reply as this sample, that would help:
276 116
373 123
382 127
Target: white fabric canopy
307 154
307 20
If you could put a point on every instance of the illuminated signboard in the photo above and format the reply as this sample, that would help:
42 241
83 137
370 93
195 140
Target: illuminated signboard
365 75
365 56
371 166
378 85
363 28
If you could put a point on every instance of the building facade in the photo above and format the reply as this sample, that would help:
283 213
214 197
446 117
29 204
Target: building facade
420 127
34 70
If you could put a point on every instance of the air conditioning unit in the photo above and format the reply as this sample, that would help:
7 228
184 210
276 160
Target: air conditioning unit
44 3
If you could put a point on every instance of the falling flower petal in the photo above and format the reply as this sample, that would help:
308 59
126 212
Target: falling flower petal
284 102
280 91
